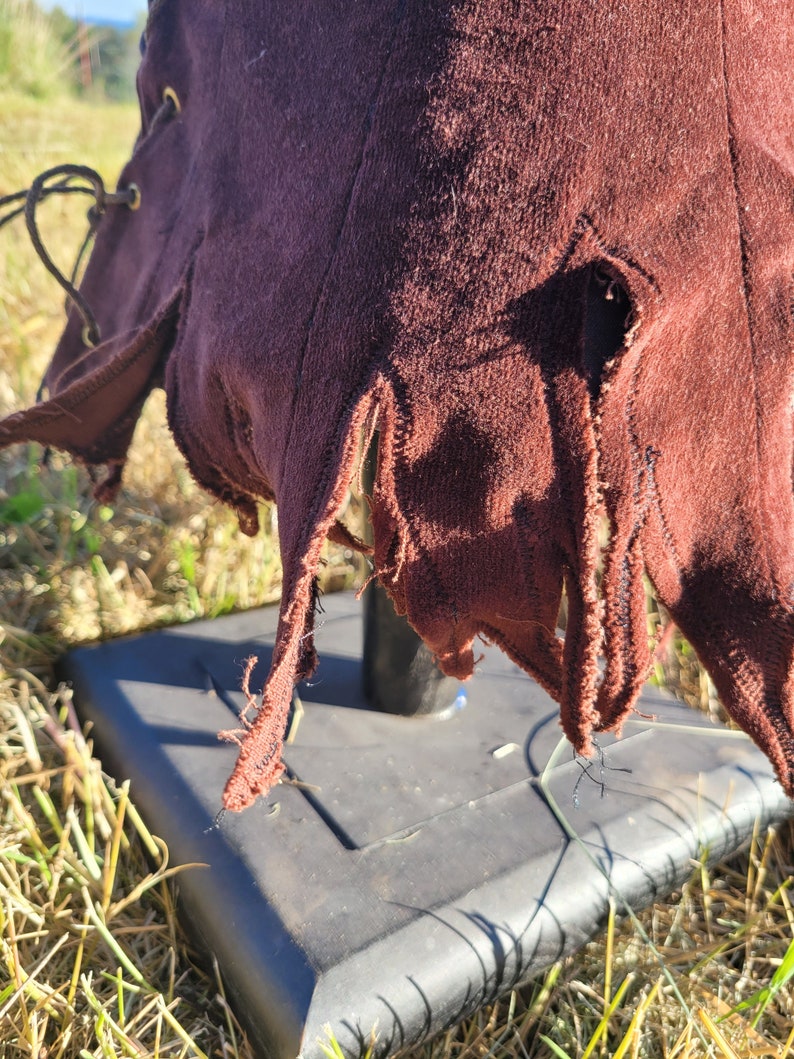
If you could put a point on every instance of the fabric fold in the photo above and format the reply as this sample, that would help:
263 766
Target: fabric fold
97 400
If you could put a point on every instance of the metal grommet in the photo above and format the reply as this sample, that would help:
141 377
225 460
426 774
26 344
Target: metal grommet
169 93
90 336
135 200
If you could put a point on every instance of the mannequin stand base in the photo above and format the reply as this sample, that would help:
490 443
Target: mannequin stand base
417 868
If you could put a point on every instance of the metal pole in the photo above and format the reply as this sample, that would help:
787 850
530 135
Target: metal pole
399 673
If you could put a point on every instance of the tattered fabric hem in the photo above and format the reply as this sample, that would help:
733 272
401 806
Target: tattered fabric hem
259 766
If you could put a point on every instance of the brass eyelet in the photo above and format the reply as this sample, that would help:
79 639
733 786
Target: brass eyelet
135 200
90 337
170 94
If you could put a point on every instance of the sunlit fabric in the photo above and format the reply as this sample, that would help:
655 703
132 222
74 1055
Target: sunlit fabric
546 250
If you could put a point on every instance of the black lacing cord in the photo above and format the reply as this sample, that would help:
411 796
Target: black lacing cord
40 189
92 184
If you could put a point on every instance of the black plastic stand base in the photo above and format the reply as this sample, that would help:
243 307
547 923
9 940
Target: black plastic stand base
419 870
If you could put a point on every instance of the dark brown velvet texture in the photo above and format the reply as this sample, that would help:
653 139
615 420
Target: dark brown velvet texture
417 214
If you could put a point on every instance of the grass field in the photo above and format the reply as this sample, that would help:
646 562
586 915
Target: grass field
92 958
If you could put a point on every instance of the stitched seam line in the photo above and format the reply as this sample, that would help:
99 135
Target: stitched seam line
368 126
63 407
745 265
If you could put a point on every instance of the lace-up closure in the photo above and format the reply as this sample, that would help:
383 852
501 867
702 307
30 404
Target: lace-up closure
41 188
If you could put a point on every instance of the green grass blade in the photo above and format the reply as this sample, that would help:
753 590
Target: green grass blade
554 1047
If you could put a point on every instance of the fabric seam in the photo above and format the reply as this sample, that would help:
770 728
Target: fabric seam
368 127
746 286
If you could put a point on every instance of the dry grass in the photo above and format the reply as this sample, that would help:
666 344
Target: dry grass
93 960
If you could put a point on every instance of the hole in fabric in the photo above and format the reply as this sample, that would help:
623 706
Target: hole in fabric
562 613
607 318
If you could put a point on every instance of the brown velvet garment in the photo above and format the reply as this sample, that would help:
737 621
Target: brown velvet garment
426 215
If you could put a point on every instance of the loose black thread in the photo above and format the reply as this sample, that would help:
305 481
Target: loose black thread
586 767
